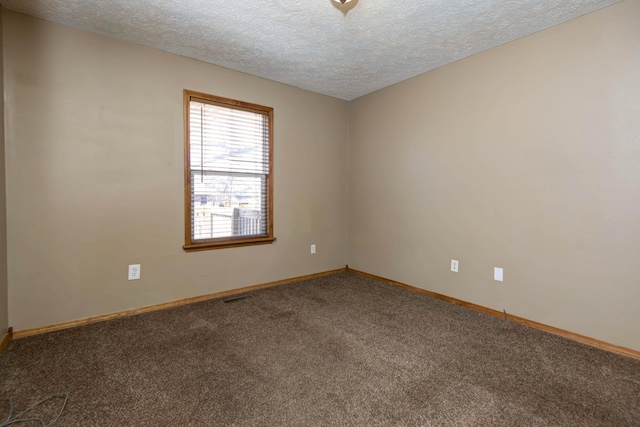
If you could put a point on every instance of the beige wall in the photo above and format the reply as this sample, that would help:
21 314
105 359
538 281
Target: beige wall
525 157
4 312
95 176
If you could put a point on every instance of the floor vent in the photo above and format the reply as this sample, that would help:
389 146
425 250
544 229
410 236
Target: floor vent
236 299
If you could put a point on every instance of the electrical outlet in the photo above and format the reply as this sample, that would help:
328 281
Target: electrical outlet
498 274
313 249
134 272
454 265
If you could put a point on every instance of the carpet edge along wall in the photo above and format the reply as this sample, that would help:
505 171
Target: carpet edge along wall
510 317
130 312
532 324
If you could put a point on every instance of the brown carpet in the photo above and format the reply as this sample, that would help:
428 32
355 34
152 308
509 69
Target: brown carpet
341 350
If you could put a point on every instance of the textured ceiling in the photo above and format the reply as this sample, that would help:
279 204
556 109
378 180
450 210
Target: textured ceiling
314 44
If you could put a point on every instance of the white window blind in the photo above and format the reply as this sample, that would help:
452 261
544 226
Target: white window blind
228 171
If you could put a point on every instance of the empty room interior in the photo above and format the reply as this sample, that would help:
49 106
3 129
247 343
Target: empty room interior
447 200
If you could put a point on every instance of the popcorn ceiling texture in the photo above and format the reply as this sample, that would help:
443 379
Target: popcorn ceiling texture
341 51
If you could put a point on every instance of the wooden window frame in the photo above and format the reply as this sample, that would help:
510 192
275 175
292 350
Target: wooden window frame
231 241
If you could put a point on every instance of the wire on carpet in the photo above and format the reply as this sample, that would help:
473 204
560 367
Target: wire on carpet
17 419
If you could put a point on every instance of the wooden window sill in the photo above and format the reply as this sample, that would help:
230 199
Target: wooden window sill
206 246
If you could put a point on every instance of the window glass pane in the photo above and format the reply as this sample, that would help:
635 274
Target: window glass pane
234 205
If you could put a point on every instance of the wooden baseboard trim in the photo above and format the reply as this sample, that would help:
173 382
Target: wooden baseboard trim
517 319
104 317
5 341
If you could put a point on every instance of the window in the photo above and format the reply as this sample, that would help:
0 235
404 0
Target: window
228 172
